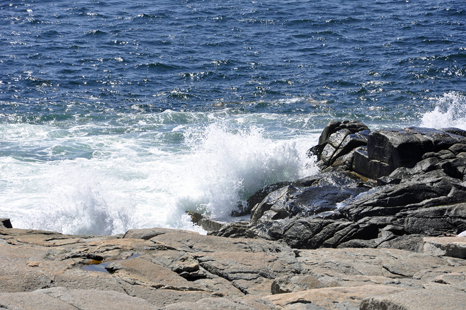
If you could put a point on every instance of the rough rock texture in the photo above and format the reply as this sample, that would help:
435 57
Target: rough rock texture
386 188
174 269
445 246
339 139
60 298
439 297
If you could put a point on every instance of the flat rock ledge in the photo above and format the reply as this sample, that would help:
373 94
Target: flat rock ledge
174 269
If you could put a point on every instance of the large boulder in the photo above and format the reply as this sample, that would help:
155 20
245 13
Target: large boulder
389 149
350 145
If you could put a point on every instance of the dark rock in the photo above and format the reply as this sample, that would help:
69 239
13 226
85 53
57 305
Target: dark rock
455 168
386 188
345 162
332 126
458 148
327 153
310 233
445 154
326 191
335 126
257 197
277 198
391 199
235 230
405 147
436 221
396 148
455 131
5 223
339 139
342 143
350 142
204 222
371 168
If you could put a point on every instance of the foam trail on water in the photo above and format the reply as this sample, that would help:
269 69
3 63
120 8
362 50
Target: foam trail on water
449 111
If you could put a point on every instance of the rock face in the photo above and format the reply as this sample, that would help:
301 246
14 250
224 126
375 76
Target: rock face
386 188
174 269
352 146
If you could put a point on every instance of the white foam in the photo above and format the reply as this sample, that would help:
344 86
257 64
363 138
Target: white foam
226 167
141 175
449 111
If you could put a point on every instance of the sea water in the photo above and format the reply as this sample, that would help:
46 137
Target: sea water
117 115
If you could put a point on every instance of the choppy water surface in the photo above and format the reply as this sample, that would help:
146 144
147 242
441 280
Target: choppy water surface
117 115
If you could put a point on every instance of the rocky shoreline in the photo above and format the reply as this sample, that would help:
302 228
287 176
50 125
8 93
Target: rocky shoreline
376 229
386 188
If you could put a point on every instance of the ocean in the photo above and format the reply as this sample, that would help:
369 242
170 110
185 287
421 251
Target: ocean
117 115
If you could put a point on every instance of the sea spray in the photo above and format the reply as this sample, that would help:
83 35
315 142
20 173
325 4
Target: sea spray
75 197
227 166
449 111
105 177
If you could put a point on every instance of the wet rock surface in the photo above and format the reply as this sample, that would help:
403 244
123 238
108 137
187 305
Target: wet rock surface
386 188
174 269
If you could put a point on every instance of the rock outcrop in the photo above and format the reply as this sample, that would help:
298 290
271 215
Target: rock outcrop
174 269
386 188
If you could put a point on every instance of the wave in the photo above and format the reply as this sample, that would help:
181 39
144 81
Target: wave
449 111
158 66
226 167
94 179
96 32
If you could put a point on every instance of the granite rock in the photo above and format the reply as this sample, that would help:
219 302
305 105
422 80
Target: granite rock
174 269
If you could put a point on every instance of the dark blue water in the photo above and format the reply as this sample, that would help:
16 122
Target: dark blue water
376 60
106 106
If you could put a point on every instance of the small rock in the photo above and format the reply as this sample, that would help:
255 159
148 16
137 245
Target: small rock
5 223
